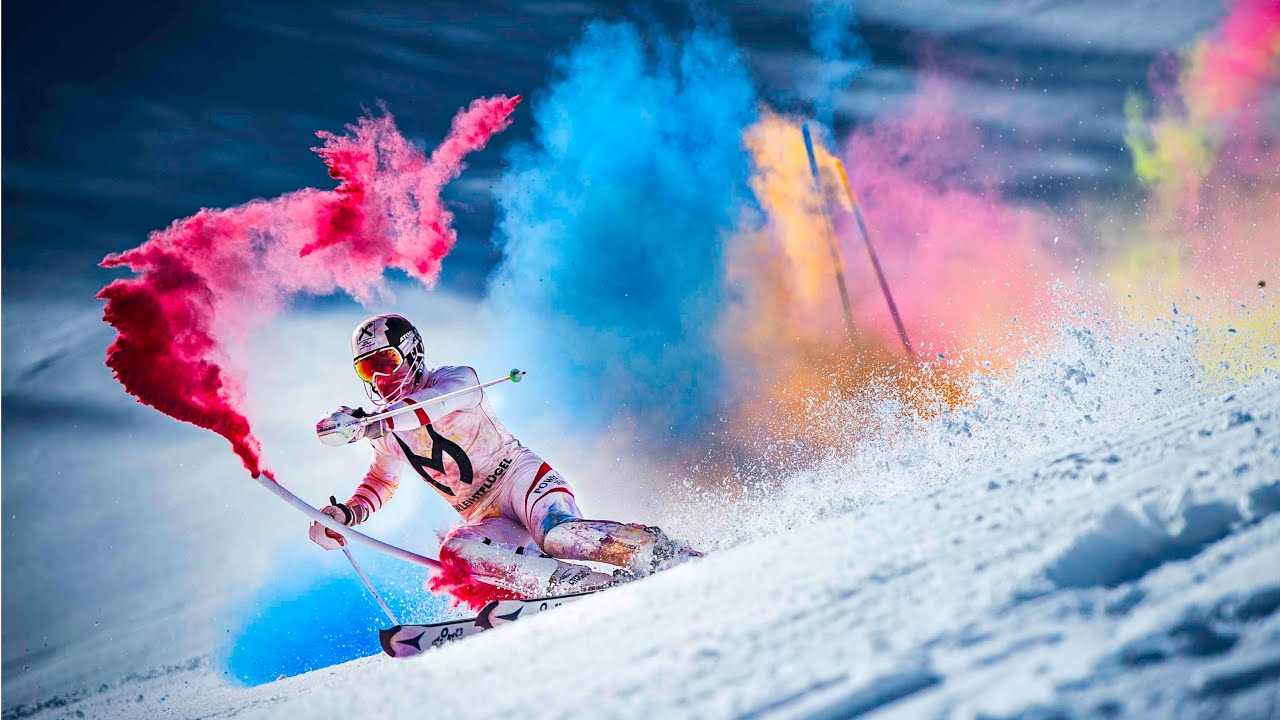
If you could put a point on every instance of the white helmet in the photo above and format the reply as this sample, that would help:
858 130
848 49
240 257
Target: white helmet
379 346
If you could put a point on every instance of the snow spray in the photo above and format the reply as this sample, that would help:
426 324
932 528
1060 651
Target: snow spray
206 280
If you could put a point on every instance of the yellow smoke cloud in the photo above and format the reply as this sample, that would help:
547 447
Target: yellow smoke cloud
796 222
1171 156
1208 238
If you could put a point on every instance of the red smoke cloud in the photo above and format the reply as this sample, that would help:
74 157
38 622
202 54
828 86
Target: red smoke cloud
207 279
455 578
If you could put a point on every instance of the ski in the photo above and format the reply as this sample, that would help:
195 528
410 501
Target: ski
404 641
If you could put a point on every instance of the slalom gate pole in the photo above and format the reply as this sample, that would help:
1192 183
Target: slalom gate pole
875 261
347 551
836 265
514 376
351 534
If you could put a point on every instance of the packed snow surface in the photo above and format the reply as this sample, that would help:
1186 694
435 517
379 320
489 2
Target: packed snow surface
1097 536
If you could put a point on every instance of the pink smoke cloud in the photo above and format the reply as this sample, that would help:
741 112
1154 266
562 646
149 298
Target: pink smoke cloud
206 279
1228 72
962 261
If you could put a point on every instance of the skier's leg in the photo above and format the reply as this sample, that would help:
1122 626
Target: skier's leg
641 549
545 505
498 551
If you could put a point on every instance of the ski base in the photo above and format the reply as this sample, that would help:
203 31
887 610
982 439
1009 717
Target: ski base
404 641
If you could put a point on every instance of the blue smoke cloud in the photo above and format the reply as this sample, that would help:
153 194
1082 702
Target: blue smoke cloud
612 224
833 36
313 615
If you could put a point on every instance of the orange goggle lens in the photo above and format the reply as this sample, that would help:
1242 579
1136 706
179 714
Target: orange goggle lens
378 362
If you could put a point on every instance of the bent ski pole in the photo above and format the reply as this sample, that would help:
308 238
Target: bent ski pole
347 551
301 506
514 376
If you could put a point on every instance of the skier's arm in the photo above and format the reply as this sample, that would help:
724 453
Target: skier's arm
375 490
379 484
442 381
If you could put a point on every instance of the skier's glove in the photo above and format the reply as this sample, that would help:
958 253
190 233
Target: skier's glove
343 427
323 536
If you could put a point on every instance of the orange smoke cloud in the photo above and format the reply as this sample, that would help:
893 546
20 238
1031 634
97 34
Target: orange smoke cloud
786 330
792 247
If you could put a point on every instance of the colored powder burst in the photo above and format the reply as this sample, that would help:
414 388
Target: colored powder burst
457 580
206 280
785 331
311 615
1227 75
1169 155
340 624
796 222
967 266
1208 157
612 226
843 54
1211 120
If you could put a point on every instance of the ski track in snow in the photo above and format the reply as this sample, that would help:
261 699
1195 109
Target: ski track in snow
1132 570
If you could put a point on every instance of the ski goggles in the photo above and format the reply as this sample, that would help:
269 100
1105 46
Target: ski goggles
379 362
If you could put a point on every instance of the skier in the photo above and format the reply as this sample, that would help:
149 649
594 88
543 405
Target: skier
521 520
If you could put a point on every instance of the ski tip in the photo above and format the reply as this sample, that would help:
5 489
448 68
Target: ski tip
483 620
384 638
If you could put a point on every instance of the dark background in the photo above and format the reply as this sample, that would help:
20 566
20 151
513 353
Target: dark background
120 119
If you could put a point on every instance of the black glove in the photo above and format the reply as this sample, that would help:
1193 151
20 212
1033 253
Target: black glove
347 515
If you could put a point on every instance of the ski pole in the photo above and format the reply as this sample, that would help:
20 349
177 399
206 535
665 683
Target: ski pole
875 261
830 232
347 551
352 534
514 376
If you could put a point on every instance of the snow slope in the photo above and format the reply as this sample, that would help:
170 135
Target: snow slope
1098 536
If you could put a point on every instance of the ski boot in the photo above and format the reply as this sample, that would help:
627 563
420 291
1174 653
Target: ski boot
668 553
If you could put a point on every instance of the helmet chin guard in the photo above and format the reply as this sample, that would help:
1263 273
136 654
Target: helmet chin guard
389 330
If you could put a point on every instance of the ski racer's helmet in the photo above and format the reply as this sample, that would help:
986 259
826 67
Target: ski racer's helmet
383 344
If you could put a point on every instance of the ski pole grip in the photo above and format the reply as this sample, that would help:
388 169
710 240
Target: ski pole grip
347 514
